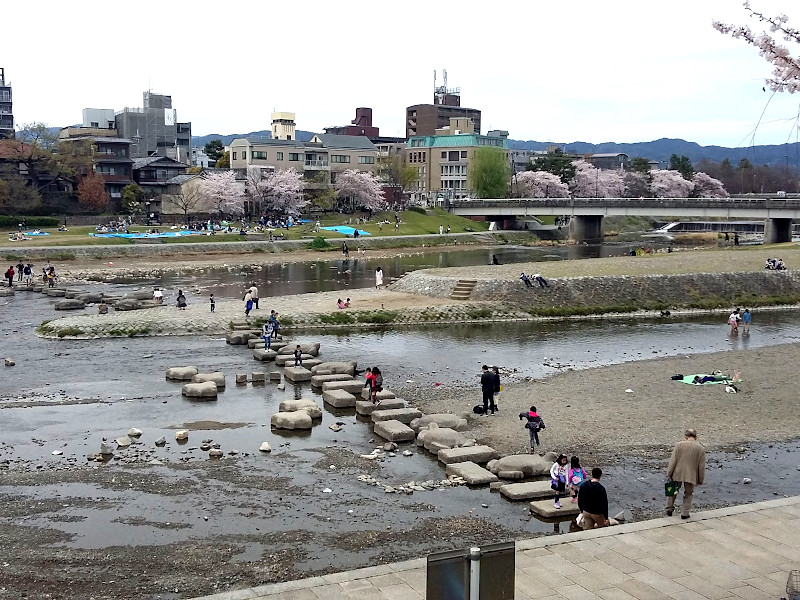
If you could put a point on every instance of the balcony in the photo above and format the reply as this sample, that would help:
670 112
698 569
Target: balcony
319 163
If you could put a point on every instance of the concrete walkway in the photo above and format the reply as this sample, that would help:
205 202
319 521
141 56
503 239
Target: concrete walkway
731 553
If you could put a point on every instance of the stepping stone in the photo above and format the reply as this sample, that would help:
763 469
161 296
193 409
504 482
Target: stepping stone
298 419
394 431
207 389
264 355
297 374
287 359
181 373
318 380
348 368
217 377
241 378
477 454
366 407
305 404
471 473
353 387
312 349
404 415
339 398
545 508
447 420
258 377
383 395
274 375
529 490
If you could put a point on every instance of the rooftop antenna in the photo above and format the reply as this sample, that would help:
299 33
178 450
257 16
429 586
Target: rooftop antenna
444 76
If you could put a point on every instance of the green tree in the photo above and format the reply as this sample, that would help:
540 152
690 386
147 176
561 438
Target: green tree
224 161
555 162
214 150
132 196
395 173
488 173
745 164
682 165
640 165
16 196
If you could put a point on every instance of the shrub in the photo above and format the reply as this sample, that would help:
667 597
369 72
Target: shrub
418 209
337 318
12 221
319 243
480 313
286 321
378 317
69 331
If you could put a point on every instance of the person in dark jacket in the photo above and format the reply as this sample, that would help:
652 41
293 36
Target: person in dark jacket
593 501
487 387
497 388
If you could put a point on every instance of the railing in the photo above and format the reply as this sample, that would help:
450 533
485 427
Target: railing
723 203
316 163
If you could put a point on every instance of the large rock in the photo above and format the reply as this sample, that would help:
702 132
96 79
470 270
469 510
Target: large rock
127 304
297 374
545 509
348 368
306 404
312 349
353 387
394 431
239 338
382 395
338 398
287 359
182 435
207 389
441 419
404 415
73 304
181 373
217 377
264 355
90 297
524 465
55 292
318 380
366 407
528 490
471 473
435 438
477 454
6 291
298 419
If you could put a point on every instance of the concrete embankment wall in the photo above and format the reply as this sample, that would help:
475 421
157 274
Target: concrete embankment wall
703 290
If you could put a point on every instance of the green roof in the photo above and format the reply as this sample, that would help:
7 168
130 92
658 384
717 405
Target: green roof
460 140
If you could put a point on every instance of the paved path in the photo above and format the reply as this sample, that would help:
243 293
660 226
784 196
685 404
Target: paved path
731 553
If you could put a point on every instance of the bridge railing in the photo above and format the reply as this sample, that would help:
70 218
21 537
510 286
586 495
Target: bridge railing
667 203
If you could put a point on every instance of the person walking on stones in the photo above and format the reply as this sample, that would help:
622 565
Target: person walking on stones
20 268
487 389
273 320
10 276
345 250
266 334
497 388
298 356
213 303
733 321
558 476
534 425
181 301
28 274
593 502
377 384
378 277
248 303
50 276
746 318
254 295
687 467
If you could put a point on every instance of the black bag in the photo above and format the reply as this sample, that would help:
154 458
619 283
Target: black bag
677 377
478 409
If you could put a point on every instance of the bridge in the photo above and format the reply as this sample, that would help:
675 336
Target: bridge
586 214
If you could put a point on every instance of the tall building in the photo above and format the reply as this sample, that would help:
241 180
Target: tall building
283 126
110 153
154 129
361 125
425 119
6 113
99 118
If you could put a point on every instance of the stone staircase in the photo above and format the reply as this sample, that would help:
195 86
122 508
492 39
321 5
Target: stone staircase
463 289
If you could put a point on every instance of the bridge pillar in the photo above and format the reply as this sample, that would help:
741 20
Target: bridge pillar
586 228
777 231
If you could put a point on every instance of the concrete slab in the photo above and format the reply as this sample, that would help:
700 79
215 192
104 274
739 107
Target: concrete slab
338 398
287 359
477 454
366 407
529 490
471 473
382 395
394 431
442 420
297 374
545 509
404 415
353 387
264 355
318 380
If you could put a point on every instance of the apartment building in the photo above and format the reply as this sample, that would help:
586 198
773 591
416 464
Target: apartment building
6 108
154 129
110 154
425 119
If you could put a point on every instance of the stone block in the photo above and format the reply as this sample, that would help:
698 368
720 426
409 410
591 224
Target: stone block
366 407
471 473
530 465
298 419
297 374
241 378
353 386
181 373
6 291
394 431
283 360
274 375
322 372
511 475
339 398
55 292
545 509
434 438
306 404
318 380
238 338
382 395
453 422
312 349
90 297
207 389
258 377
529 490
348 367
477 454
264 355
127 304
73 304
217 377
404 415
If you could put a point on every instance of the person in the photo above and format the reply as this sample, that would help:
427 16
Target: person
497 388
543 283
248 303
377 384
266 334
345 250
780 265
28 274
534 425
273 319
50 276
340 303
487 388
369 378
735 239
254 295
158 296
733 321
448 229
746 318
593 502
378 277
558 476
525 279
441 229
576 476
10 276
687 467
181 302
494 260
298 356
213 303
20 268
347 303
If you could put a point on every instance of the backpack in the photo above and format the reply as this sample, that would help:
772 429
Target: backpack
478 410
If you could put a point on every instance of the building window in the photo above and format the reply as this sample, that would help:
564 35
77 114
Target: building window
258 154
244 155
453 155
366 160
340 158
233 156
279 156
294 156
161 174
463 154
444 155
94 124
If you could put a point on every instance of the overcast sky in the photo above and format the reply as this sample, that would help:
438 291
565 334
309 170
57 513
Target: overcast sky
622 71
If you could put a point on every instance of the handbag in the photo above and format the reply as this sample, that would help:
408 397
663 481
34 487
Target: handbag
671 488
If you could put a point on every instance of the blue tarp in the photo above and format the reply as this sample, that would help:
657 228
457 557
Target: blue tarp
346 229
35 233
165 234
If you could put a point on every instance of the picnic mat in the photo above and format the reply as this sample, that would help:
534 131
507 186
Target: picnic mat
690 380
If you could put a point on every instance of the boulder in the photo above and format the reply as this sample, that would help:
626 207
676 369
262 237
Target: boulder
265 447
354 386
274 375
282 360
73 304
55 292
471 473
161 442
106 449
339 398
394 431
241 378
6 291
127 304
140 295
123 442
550 457
348 368
306 404
215 453
382 395
72 294
441 419
545 509
529 490
298 419
323 372
264 355
530 465
217 377
435 438
477 454
134 433
90 297
207 389
318 380
297 374
181 373
9 362
312 349
404 415
366 407
239 338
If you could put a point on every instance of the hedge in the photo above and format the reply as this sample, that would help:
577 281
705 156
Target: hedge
11 221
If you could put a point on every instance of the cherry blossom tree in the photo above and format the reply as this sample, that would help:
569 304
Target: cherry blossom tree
223 193
362 187
785 67
637 184
706 186
591 182
670 184
284 192
540 184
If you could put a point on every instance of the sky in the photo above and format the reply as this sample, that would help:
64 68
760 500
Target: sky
622 71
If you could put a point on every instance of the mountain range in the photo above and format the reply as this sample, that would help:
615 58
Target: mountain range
658 150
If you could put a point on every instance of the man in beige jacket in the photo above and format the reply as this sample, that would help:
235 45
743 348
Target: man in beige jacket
687 466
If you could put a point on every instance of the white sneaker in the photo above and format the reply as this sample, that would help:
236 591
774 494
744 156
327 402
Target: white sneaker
557 505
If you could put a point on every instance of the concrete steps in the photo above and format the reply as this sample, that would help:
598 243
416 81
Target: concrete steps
463 289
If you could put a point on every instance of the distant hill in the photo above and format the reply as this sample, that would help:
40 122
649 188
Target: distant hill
202 140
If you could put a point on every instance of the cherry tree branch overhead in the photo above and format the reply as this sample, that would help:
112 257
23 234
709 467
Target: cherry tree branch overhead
785 66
